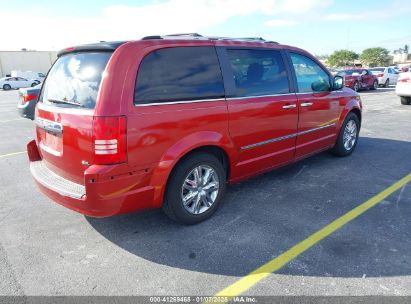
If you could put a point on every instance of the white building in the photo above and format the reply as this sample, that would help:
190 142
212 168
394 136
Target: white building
36 61
400 55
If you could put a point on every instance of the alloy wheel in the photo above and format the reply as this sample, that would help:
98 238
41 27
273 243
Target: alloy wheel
350 135
200 189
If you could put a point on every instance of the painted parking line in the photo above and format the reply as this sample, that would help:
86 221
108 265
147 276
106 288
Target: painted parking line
12 154
14 119
277 263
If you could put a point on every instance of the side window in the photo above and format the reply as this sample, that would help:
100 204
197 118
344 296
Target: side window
258 72
308 73
391 71
178 74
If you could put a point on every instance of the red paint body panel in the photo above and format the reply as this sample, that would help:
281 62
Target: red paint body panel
158 136
256 120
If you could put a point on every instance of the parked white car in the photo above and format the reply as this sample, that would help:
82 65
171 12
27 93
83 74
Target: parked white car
7 83
403 88
29 75
386 76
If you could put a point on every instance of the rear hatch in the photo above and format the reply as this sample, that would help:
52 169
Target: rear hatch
65 113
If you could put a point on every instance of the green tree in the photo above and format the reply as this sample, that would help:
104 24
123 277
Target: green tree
374 56
342 58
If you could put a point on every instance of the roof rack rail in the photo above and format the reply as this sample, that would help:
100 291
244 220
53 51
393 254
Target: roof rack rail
198 36
259 39
151 37
185 34
238 38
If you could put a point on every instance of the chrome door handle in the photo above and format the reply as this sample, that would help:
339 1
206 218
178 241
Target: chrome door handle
291 106
306 104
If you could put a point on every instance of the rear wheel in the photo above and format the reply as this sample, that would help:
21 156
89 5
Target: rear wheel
195 188
405 100
348 137
387 83
6 87
374 85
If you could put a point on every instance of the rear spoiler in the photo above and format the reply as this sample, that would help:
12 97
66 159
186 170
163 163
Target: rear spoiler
101 47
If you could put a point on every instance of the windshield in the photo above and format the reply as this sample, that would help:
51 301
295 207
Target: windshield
74 80
377 70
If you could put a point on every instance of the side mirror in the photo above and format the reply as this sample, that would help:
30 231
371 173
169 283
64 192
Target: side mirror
320 86
338 83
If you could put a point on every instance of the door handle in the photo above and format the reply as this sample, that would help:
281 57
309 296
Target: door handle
306 104
291 106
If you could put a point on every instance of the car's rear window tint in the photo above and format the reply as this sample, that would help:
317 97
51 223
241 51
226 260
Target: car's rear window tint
179 74
74 80
258 72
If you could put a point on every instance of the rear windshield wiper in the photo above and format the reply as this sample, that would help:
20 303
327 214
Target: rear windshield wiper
64 101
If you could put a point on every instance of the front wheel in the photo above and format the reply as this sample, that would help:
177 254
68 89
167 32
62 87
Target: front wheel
356 86
374 85
195 188
387 83
348 137
405 100
6 87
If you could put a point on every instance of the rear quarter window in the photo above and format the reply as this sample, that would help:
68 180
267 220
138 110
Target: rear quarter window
179 74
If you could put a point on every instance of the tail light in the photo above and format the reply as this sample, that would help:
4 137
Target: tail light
110 140
380 75
405 79
28 97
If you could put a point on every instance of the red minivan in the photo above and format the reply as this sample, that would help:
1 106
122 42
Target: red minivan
168 121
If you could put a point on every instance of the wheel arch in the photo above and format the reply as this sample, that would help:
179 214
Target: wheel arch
353 105
210 142
357 112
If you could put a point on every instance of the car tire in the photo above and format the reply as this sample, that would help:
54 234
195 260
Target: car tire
405 100
356 86
387 83
348 136
34 84
6 87
374 85
182 183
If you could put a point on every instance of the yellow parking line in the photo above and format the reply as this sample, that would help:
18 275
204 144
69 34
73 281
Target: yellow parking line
12 154
277 263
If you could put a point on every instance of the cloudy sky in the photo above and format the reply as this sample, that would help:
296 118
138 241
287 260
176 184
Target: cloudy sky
320 26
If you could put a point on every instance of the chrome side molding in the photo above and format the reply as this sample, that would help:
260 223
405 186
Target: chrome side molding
269 141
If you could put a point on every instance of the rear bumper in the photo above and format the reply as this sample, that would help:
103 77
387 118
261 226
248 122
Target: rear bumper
403 89
98 197
381 80
56 183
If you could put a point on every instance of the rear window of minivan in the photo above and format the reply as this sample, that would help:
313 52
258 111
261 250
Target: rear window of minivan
74 80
